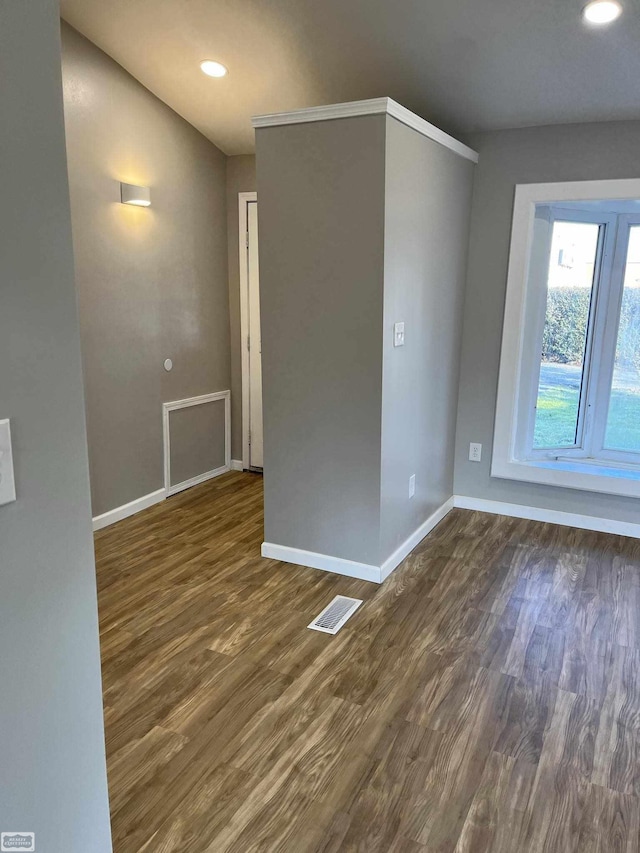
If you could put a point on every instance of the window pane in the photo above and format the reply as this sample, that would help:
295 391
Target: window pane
623 422
574 247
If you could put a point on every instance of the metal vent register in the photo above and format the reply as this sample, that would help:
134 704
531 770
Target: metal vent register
335 614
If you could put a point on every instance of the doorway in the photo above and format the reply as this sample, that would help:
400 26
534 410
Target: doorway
252 433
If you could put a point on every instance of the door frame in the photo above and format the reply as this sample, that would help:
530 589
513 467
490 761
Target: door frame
243 257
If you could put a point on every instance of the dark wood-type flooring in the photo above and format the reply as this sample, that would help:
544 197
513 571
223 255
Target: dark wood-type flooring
486 697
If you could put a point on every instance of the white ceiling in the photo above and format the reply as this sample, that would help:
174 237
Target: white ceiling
462 64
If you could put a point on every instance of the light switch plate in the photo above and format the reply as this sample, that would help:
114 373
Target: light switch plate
412 485
398 334
7 481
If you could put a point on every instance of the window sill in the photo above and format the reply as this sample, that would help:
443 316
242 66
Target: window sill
574 474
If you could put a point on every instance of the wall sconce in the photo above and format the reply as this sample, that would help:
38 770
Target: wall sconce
131 194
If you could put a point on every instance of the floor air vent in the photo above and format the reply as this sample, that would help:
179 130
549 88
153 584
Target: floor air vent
335 614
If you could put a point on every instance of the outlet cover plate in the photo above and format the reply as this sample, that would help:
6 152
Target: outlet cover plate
7 481
475 452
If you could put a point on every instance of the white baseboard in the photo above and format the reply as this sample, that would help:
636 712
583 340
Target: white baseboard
195 481
553 516
416 537
126 510
146 501
362 571
326 563
236 465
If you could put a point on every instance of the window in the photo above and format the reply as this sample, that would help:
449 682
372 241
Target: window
568 408
572 276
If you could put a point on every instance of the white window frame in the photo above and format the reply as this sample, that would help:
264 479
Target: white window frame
518 370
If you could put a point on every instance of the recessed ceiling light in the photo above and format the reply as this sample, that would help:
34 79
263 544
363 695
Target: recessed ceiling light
213 69
602 11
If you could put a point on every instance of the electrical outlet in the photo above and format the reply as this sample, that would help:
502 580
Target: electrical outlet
475 452
412 485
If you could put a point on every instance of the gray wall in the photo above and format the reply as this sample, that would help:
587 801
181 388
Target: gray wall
321 221
197 440
152 283
241 178
52 767
428 194
561 153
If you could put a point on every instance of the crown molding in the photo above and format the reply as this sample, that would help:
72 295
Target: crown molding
374 106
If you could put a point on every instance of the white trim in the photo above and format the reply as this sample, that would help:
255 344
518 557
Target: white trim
505 462
572 474
373 106
124 511
416 537
167 408
362 571
552 516
195 481
348 109
243 259
415 122
326 563
236 465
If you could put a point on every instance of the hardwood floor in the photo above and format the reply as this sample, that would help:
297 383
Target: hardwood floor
486 697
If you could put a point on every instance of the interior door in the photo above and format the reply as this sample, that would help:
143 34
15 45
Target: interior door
254 341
